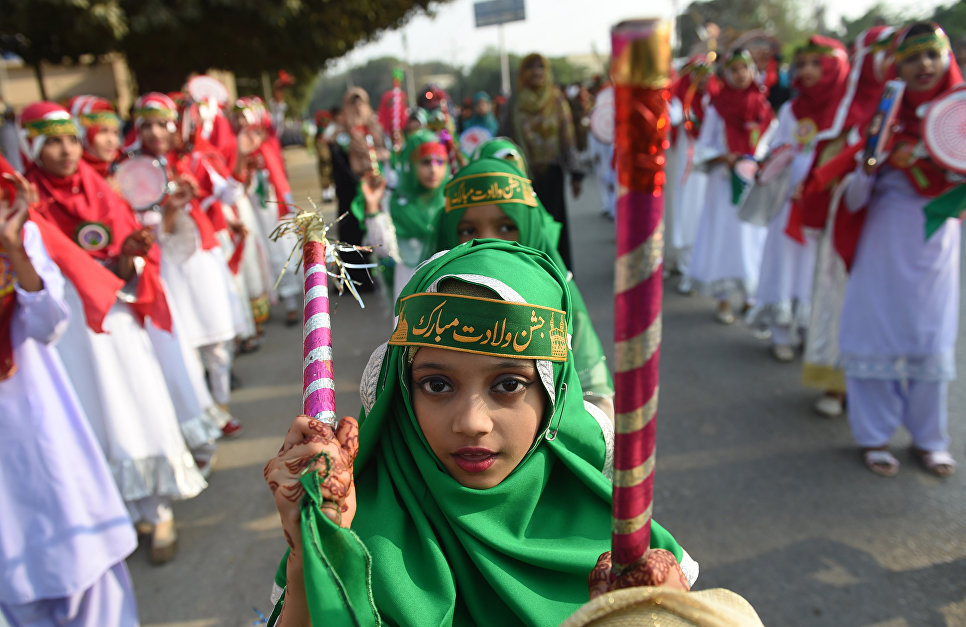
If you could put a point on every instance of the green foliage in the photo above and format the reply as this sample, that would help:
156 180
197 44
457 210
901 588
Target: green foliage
785 19
52 30
375 77
879 14
165 40
953 21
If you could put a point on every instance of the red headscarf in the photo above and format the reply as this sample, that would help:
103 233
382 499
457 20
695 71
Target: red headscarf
689 91
863 92
92 114
8 292
819 102
816 108
925 176
84 218
270 150
84 223
746 112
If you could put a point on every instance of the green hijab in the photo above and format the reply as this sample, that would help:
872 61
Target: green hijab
495 162
502 148
537 228
413 207
423 549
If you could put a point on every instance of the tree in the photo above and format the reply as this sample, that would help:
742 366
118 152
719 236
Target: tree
252 36
879 14
52 30
165 40
953 21
782 18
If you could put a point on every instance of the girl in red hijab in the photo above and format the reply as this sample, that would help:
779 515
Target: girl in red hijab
727 252
899 320
788 260
113 290
194 266
690 98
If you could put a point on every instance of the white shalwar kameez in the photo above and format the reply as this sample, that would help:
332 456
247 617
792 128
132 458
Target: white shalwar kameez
202 290
64 530
900 316
727 251
122 389
284 265
787 266
688 185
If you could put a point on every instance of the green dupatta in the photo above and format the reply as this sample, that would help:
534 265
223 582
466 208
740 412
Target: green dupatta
413 207
537 229
425 550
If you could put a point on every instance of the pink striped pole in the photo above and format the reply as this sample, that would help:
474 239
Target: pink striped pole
318 384
640 68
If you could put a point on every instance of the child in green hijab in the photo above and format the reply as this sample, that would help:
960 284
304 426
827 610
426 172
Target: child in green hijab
423 171
471 214
481 491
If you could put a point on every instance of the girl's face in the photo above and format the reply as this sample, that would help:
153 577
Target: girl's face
487 221
808 66
105 144
480 414
155 136
430 171
60 155
921 71
739 75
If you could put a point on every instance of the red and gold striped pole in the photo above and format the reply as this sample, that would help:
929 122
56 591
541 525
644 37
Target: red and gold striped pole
640 69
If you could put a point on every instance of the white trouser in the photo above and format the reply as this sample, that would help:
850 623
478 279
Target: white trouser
878 406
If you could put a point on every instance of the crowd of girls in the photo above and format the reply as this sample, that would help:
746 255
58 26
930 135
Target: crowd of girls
475 485
829 254
119 331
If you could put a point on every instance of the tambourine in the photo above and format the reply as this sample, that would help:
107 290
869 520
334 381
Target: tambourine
143 182
471 138
944 130
602 116
762 201
775 164
202 88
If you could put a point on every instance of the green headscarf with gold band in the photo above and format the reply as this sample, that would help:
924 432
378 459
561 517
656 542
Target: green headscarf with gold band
440 553
537 229
502 148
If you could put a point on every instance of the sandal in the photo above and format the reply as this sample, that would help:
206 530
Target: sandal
881 462
249 345
939 463
164 543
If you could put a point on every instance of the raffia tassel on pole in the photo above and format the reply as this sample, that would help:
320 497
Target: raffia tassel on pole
640 69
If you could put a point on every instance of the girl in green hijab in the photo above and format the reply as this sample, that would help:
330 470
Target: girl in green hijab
469 214
423 171
481 493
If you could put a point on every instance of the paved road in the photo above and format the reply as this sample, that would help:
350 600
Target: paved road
770 498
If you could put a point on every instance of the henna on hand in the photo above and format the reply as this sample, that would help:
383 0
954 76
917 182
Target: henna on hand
598 582
659 568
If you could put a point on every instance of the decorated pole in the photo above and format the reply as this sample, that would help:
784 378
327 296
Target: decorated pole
318 383
640 68
310 229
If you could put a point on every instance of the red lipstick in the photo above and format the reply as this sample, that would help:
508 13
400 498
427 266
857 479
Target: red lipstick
474 459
